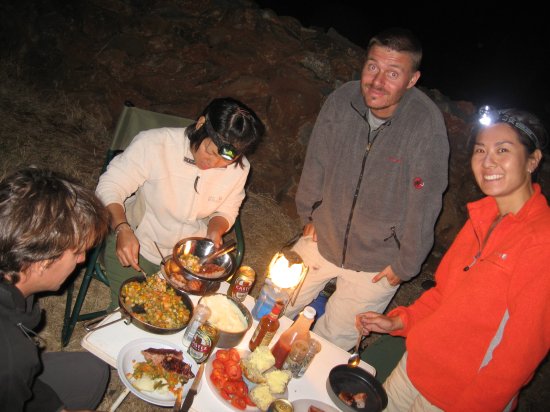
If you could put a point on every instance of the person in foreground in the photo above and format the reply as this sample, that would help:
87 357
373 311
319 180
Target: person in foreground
371 187
173 183
477 337
47 223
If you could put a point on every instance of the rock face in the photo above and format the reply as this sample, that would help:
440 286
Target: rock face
174 56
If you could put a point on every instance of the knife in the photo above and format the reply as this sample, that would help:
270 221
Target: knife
192 391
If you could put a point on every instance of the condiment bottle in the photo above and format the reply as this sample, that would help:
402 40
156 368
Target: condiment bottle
298 330
267 327
204 342
200 315
314 347
241 283
295 358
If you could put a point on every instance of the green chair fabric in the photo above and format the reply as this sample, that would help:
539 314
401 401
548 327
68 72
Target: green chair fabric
384 354
131 121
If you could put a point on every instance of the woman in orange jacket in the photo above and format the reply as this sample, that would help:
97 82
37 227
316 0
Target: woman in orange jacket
476 338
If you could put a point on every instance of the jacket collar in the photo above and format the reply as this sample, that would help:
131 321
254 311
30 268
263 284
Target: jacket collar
487 209
14 306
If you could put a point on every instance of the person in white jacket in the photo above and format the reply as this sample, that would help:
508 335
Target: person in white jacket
173 183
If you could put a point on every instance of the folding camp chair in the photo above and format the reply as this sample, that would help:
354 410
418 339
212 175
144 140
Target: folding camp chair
132 121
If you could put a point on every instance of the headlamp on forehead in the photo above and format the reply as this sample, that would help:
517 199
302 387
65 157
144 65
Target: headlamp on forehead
226 150
488 115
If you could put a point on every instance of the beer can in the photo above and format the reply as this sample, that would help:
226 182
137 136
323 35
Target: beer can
241 283
203 343
280 405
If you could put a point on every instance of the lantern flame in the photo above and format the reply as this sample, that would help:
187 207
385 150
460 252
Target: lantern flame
283 274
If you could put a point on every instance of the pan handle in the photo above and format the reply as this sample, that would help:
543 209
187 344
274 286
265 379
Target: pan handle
88 324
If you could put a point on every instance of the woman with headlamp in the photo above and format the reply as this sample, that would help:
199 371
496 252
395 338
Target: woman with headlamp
477 337
172 183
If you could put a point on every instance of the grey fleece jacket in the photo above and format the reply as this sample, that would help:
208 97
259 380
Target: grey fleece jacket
398 188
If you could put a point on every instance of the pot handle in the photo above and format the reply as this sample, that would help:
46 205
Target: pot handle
88 324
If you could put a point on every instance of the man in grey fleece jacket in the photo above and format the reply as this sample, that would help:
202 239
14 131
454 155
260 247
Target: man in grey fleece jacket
371 187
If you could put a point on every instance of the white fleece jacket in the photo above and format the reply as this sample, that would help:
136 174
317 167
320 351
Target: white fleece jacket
167 198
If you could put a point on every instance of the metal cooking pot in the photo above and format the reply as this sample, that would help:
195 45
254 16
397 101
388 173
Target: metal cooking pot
128 313
232 339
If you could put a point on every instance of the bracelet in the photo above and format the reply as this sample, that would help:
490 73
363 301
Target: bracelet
118 227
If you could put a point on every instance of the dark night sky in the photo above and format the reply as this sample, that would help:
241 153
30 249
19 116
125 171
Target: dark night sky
486 53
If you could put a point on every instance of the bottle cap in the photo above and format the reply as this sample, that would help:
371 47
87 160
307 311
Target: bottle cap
309 312
277 307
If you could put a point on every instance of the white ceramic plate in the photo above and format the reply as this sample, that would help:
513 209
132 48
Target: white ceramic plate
208 371
302 405
131 353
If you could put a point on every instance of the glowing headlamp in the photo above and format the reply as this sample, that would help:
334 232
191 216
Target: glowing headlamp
489 115
225 150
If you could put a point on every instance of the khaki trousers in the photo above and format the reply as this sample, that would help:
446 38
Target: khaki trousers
402 395
355 293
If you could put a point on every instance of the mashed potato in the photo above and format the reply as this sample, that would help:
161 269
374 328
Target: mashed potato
147 384
225 315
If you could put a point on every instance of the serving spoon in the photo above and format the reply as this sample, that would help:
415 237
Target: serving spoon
354 359
228 247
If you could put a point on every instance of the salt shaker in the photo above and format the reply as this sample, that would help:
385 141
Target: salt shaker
200 315
293 361
314 347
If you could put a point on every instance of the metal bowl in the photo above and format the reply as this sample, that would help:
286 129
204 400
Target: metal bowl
182 278
231 339
182 281
201 247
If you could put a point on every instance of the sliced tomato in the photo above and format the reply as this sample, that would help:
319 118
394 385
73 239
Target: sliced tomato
224 394
238 402
248 401
222 354
242 389
218 378
230 387
234 371
234 355
218 364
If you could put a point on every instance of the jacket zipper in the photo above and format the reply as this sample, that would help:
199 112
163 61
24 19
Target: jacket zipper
484 243
370 143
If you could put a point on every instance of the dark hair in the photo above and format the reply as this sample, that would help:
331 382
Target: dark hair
42 215
400 40
537 139
233 122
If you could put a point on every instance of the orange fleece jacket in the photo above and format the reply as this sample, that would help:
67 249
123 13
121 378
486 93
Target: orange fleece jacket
450 327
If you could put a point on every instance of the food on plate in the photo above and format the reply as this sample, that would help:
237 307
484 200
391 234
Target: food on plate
169 359
277 380
262 396
155 302
226 376
357 400
256 363
226 315
163 370
314 409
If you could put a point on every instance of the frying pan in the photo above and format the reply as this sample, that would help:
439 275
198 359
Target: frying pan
354 380
128 313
